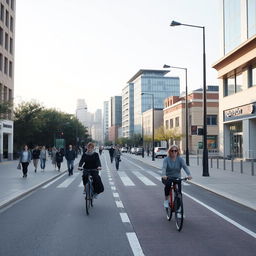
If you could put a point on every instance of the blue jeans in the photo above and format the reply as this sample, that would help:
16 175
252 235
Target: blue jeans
42 163
70 164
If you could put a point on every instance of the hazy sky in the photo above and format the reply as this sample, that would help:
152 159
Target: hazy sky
70 49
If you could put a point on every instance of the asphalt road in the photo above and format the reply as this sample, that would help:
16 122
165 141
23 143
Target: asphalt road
127 219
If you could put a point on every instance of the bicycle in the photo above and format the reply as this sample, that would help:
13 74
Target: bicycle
176 203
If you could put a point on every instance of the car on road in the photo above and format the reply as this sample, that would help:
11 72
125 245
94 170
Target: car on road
124 150
138 151
160 152
133 150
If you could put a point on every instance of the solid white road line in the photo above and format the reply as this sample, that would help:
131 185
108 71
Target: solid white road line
119 204
144 179
124 217
135 164
246 230
125 179
115 195
134 243
67 182
50 183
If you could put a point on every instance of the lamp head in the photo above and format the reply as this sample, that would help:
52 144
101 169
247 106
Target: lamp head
175 23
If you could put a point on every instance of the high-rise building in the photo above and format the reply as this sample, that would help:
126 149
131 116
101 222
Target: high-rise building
105 120
96 129
128 110
237 76
7 37
151 82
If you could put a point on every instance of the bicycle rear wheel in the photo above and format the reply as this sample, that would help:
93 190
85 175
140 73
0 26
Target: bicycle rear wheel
178 207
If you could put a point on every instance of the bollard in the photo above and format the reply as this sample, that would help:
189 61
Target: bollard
217 162
197 159
232 164
241 166
224 163
211 162
252 167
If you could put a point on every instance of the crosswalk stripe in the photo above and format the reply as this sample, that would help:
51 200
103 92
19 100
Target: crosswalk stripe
144 179
157 176
125 179
66 183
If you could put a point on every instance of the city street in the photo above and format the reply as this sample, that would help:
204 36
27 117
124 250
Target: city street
127 219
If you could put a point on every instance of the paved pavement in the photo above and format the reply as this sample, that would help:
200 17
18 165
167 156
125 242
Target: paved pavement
233 185
13 186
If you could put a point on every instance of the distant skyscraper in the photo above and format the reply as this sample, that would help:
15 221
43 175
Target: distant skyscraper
105 120
96 129
115 117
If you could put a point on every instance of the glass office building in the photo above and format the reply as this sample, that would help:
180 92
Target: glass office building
151 82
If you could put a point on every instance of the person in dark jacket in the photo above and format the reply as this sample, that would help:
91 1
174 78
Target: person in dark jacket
35 156
70 155
90 162
111 153
59 158
25 158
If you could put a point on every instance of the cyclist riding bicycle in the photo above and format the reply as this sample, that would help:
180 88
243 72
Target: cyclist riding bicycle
172 170
90 162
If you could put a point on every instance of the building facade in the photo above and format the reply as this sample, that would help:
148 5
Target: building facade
237 76
151 82
105 120
7 38
174 118
128 110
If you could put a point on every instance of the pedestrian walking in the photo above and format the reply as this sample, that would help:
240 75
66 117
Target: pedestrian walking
111 153
117 156
25 158
59 158
53 157
70 156
35 156
43 157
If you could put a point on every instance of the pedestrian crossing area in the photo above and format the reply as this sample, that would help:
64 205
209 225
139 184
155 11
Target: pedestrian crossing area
128 178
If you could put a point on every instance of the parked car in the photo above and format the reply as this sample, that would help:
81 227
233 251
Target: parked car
133 150
124 150
160 152
138 151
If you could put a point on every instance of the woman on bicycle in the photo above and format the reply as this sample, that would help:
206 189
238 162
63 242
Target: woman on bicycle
90 162
171 169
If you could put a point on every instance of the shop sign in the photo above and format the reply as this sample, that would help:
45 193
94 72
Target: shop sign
239 111
7 126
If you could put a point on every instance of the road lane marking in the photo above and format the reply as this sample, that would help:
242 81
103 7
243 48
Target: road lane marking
81 184
115 195
124 217
119 204
155 175
66 183
113 187
111 183
246 230
125 179
135 244
135 164
144 179
50 183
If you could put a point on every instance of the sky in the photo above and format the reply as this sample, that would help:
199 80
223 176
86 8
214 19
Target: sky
89 49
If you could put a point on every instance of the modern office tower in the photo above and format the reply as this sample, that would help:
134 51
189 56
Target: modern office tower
151 82
105 120
127 110
7 38
96 129
115 117
237 76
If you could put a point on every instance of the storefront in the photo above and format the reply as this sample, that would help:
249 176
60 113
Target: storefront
6 140
240 131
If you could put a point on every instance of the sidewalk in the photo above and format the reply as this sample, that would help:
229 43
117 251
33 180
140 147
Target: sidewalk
13 186
232 185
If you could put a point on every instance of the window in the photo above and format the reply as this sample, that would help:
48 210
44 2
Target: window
252 76
12 4
11 24
171 123
7 1
10 69
233 84
211 119
251 8
1 62
7 19
6 41
2 12
11 45
177 121
5 65
166 124
1 36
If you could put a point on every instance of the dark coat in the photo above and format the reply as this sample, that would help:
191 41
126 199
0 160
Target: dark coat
90 161
70 155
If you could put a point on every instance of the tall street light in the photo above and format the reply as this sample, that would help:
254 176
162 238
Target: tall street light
153 124
186 112
205 151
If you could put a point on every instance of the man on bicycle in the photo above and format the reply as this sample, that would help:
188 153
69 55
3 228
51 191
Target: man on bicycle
90 162
172 170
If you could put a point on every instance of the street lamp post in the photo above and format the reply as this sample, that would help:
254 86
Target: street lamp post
186 107
153 124
205 151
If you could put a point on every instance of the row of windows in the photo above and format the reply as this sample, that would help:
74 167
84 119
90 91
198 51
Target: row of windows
6 66
235 84
6 18
6 41
5 93
10 3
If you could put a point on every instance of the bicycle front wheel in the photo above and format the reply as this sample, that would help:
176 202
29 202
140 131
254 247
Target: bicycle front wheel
178 207
87 198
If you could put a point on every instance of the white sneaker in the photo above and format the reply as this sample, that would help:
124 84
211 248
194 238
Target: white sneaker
166 203
179 215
